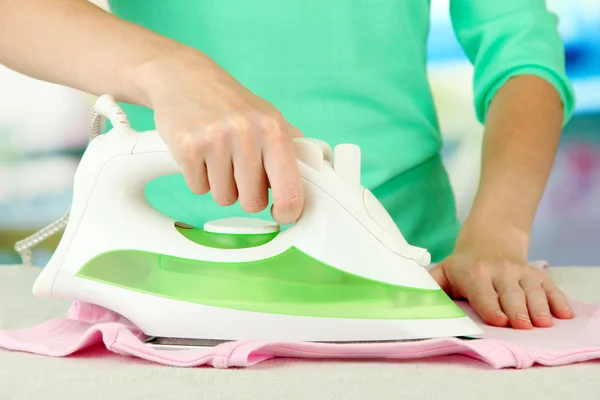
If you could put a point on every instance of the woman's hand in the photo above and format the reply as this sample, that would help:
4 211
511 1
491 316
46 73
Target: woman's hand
227 140
491 271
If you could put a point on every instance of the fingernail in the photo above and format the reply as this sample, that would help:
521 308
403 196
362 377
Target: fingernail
501 314
523 317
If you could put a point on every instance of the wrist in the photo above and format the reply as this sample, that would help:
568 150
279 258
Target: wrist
494 235
150 77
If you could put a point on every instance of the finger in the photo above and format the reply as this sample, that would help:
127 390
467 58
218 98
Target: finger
284 178
559 304
483 298
250 176
189 156
195 177
220 177
439 276
513 302
537 303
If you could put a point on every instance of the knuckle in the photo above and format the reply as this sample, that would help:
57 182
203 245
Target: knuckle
551 289
181 143
254 203
273 126
483 293
213 136
511 291
225 199
479 270
535 290
185 156
505 268
234 127
239 124
245 139
531 274
290 198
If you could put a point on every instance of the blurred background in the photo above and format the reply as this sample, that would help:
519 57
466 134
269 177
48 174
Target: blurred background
43 131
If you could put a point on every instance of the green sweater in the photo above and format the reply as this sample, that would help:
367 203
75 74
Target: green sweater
355 72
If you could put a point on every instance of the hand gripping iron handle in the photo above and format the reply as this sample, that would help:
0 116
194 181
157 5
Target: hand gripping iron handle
336 172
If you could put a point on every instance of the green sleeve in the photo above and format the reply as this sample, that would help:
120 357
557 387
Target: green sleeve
505 38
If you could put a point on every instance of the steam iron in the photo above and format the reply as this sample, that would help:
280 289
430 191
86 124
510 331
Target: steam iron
342 273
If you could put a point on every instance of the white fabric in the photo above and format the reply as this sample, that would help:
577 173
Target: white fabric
24 376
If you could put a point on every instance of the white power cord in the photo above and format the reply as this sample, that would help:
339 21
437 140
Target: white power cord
25 247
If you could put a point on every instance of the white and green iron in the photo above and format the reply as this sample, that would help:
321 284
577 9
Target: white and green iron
342 273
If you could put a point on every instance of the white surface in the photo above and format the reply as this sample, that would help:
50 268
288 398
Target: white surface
324 146
25 376
40 116
241 226
347 163
310 153
21 181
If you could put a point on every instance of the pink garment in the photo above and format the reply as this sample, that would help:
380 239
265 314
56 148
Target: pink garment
569 341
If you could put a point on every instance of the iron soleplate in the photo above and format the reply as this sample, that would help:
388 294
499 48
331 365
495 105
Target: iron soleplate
181 343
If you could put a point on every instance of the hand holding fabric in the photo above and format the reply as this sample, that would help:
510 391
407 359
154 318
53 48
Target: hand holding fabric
491 271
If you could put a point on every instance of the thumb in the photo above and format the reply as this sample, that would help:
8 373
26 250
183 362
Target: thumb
439 275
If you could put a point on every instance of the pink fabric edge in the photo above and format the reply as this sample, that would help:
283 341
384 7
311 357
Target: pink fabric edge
128 341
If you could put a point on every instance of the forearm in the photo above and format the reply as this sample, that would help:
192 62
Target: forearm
522 133
75 43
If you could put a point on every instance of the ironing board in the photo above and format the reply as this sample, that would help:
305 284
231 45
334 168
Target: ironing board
24 376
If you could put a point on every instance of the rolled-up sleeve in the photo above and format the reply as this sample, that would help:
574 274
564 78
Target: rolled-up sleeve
505 38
